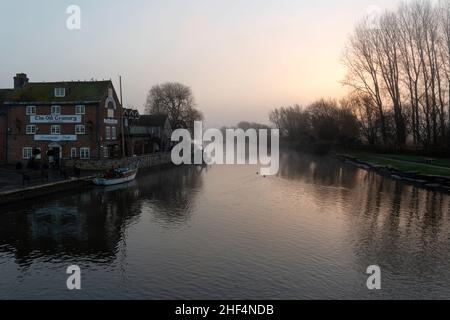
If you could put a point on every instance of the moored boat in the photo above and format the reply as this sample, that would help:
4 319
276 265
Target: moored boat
116 176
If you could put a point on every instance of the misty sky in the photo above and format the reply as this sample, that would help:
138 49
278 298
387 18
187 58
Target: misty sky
241 58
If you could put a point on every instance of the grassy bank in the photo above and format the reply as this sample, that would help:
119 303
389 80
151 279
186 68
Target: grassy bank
407 163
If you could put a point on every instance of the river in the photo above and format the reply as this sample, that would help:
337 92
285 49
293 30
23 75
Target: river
224 232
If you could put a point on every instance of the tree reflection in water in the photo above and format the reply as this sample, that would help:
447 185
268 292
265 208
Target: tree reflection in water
310 232
400 227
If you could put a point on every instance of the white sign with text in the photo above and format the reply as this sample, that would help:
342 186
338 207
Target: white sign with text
55 137
56 119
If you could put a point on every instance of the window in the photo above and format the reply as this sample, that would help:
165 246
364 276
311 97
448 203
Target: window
113 133
110 113
27 153
56 129
80 129
31 129
60 92
73 153
105 152
80 109
31 110
56 110
85 153
108 133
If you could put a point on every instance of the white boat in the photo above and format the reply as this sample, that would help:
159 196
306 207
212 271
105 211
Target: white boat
117 176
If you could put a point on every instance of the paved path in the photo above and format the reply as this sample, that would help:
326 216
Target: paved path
11 179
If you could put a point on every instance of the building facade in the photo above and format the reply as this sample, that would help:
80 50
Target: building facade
53 121
146 134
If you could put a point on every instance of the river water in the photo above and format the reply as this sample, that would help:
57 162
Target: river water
225 232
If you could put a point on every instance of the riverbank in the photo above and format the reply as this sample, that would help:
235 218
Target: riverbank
37 191
13 191
429 176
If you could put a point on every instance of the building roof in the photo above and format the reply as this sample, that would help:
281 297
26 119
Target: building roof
154 120
149 125
131 114
76 91
5 93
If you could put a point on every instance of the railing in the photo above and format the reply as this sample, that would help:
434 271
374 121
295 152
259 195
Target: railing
145 161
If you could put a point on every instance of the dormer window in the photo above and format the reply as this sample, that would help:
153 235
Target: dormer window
60 92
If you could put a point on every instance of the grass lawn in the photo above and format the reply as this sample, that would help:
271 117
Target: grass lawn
407 163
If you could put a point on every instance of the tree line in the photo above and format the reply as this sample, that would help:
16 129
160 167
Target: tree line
398 73
318 126
399 69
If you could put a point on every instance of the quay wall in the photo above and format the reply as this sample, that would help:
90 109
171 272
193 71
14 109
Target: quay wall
74 185
43 190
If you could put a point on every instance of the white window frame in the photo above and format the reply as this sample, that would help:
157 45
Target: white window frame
31 129
80 109
113 133
27 153
85 153
108 133
73 153
55 132
56 110
78 127
31 110
60 92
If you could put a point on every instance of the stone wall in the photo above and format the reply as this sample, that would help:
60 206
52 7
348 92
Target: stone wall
146 161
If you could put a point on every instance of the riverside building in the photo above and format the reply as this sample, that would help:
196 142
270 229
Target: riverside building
53 121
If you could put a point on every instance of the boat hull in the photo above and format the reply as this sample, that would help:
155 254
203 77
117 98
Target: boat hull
114 181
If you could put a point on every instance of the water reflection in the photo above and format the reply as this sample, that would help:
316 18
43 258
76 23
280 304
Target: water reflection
91 224
400 227
225 232
170 195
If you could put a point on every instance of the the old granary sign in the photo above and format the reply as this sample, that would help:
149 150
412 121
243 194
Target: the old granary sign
52 118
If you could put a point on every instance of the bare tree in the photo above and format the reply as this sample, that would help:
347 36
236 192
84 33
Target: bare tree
444 23
324 121
387 57
365 111
403 66
174 99
408 36
363 72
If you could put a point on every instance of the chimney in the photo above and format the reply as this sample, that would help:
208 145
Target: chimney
20 80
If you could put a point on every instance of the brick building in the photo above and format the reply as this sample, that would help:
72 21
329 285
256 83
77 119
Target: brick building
147 134
59 120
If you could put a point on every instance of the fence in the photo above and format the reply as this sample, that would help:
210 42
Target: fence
146 161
